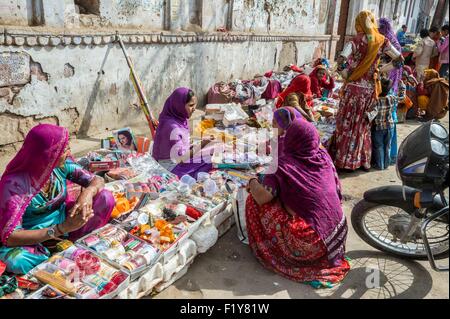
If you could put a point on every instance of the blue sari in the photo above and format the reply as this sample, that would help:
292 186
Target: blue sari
43 212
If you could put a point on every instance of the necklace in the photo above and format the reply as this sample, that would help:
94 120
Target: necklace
45 191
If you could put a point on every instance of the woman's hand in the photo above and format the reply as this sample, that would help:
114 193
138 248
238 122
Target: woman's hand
77 218
83 204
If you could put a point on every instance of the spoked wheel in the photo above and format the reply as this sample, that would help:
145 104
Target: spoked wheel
382 226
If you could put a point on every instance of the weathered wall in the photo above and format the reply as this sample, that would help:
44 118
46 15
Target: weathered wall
88 90
16 12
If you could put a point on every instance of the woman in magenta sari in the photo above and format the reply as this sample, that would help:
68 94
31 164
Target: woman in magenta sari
34 203
282 120
295 222
172 147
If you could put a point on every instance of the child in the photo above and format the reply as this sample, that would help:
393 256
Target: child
404 103
382 126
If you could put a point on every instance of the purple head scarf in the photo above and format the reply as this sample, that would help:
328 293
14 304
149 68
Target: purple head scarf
172 135
284 116
173 127
386 29
27 173
307 182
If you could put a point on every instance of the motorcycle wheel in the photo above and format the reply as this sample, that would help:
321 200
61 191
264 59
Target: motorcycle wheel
367 220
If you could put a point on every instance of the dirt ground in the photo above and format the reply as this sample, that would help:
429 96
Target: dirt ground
229 270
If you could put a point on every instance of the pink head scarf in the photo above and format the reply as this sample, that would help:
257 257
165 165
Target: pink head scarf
27 173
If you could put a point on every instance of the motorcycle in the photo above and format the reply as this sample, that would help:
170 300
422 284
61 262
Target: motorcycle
411 220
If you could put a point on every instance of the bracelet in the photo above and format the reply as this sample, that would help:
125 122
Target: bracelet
59 230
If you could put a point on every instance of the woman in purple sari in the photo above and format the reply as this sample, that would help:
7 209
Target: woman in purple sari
34 203
282 120
172 147
295 222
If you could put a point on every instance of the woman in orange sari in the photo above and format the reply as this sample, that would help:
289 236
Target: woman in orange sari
351 145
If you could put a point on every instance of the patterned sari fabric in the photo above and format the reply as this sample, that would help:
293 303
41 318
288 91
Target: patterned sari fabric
289 246
301 234
352 145
24 206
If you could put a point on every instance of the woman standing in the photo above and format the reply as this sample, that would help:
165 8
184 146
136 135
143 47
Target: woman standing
425 50
33 199
351 145
295 222
172 147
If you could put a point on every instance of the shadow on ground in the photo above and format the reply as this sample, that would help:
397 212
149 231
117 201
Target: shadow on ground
229 270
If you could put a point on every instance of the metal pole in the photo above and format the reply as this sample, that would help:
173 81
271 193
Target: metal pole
144 104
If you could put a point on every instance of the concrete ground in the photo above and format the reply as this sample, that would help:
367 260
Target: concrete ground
229 270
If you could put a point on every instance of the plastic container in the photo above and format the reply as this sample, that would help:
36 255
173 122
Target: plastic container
210 187
188 180
202 176
115 256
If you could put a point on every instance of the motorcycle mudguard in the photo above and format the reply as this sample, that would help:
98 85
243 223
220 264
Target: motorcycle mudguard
393 196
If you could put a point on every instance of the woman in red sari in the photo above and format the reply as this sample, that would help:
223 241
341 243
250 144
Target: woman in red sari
320 81
295 223
298 95
352 145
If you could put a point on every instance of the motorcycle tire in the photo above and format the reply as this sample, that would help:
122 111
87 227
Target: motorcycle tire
358 212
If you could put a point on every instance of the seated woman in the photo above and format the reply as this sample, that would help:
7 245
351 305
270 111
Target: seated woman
437 88
298 95
295 223
172 147
34 206
322 84
282 119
